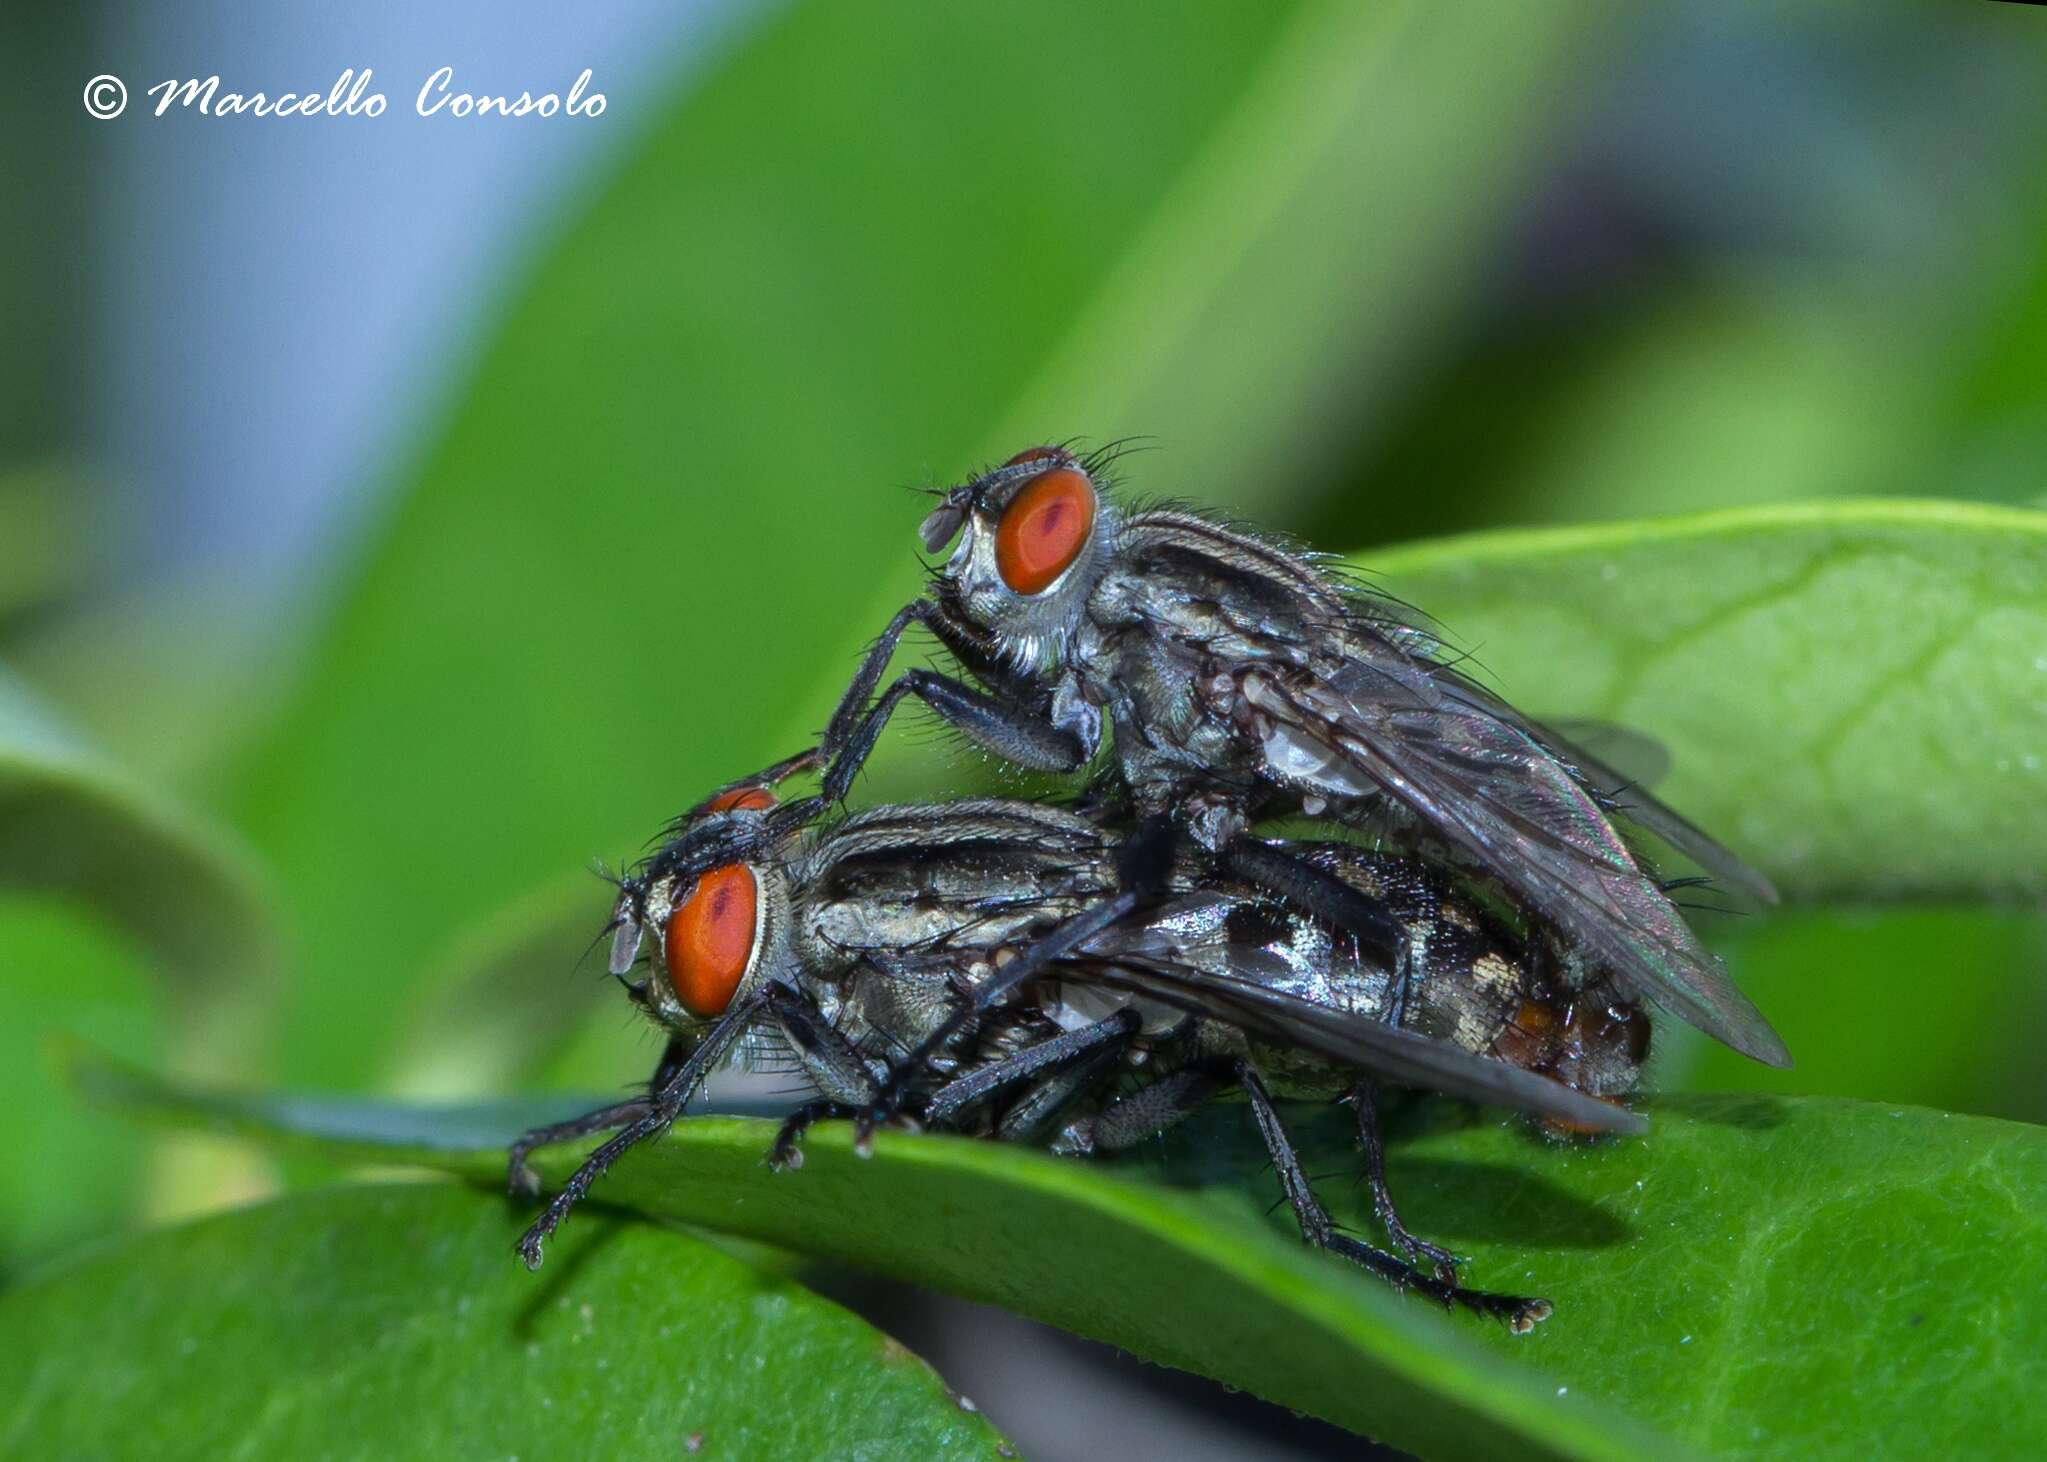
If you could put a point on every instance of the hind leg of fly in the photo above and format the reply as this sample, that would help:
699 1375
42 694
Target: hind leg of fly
1145 858
1323 895
1363 1098
1318 1229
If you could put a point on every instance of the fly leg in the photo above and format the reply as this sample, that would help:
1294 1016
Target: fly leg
1324 895
664 1105
1009 723
520 1179
1042 1102
1318 1229
523 1182
1143 1114
1055 944
1012 730
1105 1038
847 714
1363 1098
844 1081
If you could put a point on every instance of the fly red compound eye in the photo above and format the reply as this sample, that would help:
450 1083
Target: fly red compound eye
742 799
710 940
1044 529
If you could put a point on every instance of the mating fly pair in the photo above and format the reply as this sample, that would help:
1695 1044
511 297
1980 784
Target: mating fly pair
1000 970
876 951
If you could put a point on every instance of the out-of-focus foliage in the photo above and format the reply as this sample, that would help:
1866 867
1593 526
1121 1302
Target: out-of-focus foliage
77 837
1700 1273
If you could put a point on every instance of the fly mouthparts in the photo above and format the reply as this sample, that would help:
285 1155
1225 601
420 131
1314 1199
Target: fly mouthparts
625 939
940 525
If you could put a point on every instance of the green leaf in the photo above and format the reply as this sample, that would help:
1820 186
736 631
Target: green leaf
389 1322
71 1172
1854 693
1742 1279
76 829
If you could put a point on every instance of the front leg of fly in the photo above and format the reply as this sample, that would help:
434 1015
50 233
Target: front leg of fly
1019 731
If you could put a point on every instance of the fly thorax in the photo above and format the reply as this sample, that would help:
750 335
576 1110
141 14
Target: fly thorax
840 930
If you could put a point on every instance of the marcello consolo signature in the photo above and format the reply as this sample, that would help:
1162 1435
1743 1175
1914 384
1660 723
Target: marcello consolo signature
350 96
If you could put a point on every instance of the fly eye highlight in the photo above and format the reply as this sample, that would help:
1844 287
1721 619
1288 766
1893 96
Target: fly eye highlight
1044 528
710 940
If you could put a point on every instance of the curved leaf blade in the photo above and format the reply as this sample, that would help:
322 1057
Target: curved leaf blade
75 827
384 1322
1854 692
1754 1271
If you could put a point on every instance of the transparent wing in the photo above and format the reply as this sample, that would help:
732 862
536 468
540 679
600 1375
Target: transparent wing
1476 775
1621 757
1355 1041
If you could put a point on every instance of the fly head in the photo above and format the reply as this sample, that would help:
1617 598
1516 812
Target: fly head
713 899
1033 537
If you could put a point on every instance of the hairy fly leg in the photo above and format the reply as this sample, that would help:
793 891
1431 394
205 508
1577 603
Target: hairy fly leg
520 1179
1325 896
523 1182
1041 1103
843 1079
1054 944
1143 1114
1009 722
1364 1099
1111 1035
1318 1229
663 1107
1015 731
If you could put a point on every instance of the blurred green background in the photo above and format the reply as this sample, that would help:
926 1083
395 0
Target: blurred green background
609 525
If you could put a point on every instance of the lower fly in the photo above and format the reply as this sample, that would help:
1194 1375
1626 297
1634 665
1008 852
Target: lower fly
981 966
